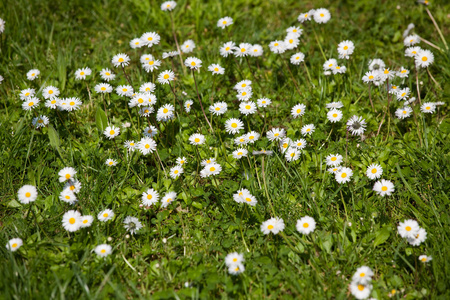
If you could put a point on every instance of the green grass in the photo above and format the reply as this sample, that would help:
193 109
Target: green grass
354 226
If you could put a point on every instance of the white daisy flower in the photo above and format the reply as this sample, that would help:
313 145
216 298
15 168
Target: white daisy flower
247 108
263 102
166 77
303 17
322 15
149 197
384 187
403 112
277 47
193 63
197 139
425 258
73 104
165 113
403 94
236 269
103 250
73 186
105 215
14 244
150 131
408 229
244 85
412 51
256 50
66 174
71 220
86 221
292 154
339 70
150 38
249 199
103 88
151 65
343 175
181 161
419 238
121 60
111 132
252 137
297 58
294 30
334 105
356 125
374 171
273 225
176 171
240 194
298 110
130 145
370 76
363 275
276 134
208 161
111 162
136 43
242 50
81 74
306 225
146 145
285 144
132 224
50 92
211 169
125 90
334 115
241 140
360 291
333 170
329 64
299 144
107 74
291 41
218 108
27 193
233 125
345 49
376 64
224 22
240 153
428 107
334 160
68 196
308 129
40 121
403 73
216 69
227 49
188 105
33 74
188 46
411 40
168 198
27 93
234 259
147 87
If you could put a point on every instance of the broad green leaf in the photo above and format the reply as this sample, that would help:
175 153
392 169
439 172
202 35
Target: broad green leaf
53 136
381 236
100 119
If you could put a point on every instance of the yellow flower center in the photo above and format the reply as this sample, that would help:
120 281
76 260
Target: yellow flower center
345 47
374 170
67 176
81 73
181 162
250 137
270 227
217 108
147 146
31 104
299 110
403 71
212 169
67 197
110 163
306 15
248 199
166 76
305 225
330 65
33 74
111 132
107 73
53 102
386 71
247 107
131 144
72 220
408 228
14 245
105 215
103 251
103 88
291 41
244 93
404 112
121 59
333 158
360 287
216 69
224 22
72 103
239 153
168 200
276 44
371 77
227 49
414 52
72 187
424 259
140 100
165 110
234 125
150 38
362 274
149 196
136 43
393 292
151 62
193 63
427 108
335 115
292 154
343 175
297 58
243 50
197 140
50 92
85 221
322 15
308 130
234 259
27 94
264 102
276 134
124 89
175 172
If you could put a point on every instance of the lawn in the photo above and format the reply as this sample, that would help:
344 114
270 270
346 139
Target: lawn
209 170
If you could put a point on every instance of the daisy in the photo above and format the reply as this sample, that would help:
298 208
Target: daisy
111 132
125 90
149 197
136 43
239 153
334 115
62 104
292 154
216 69
146 145
168 198
27 193
403 94
428 107
412 51
151 65
334 170
208 161
103 250
130 145
356 125
322 15
249 199
339 70
181 161
294 30
403 112
334 105
408 229
242 50
175 172
71 220
277 46
14 244
107 74
103 88
403 73
291 41
193 63
419 238
166 77
234 259
40 121
247 108
256 50
243 85
188 46
363 275
240 195
105 215
50 92
329 64
345 49
297 58
121 60
66 174
165 113
111 162
132 224
86 221
147 87
411 40
343 175
298 110
197 139
384 187
218 108
425 258
334 160
227 49
188 105
241 140
299 144
150 38
244 94
308 129
370 76
27 93
68 196
263 102
360 291
252 137
33 74
306 225
266 152
211 169
236 269
376 64
273 225
73 103
303 17
276 134
233 125
150 131
285 144
81 74
374 171
224 22
73 186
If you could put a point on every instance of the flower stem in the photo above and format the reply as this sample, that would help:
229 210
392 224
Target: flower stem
437 27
